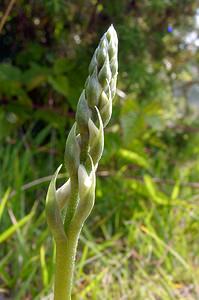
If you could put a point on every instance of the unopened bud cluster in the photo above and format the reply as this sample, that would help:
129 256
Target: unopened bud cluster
85 142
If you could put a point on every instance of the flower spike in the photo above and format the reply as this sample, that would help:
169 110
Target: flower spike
84 148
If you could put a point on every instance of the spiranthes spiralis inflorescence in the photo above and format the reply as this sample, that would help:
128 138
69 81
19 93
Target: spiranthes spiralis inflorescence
84 147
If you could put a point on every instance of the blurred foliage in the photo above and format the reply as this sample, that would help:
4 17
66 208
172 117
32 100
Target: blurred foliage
46 48
141 241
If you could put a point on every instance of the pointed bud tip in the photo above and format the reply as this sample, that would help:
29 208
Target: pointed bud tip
58 169
111 28
111 33
84 180
88 182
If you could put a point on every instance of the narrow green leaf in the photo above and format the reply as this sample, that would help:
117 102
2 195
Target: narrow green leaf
134 157
3 202
44 266
155 195
11 230
175 191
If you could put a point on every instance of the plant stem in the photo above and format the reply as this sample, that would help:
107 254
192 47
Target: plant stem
65 261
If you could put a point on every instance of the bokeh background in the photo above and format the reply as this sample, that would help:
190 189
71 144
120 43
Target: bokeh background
141 241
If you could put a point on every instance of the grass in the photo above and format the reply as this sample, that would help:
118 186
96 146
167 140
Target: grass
141 241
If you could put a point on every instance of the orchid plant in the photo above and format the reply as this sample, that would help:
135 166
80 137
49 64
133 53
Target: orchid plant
68 207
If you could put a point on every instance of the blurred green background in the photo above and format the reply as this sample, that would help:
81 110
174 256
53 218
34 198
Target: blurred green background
141 241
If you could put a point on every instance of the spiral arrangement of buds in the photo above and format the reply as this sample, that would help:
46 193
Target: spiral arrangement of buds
84 147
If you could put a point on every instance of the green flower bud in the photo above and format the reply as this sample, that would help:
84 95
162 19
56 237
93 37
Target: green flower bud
72 153
93 64
110 33
103 100
87 183
63 194
84 181
111 36
105 73
83 113
101 54
106 113
96 139
93 89
53 214
111 50
113 87
114 67
105 107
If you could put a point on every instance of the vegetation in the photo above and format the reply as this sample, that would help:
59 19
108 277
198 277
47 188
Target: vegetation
141 240
84 148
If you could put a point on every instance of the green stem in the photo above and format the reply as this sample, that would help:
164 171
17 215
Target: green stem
72 203
65 261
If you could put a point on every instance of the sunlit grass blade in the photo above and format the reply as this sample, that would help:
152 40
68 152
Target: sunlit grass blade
44 268
3 202
12 229
154 236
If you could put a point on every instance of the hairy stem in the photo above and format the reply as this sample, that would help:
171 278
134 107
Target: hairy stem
72 204
65 262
